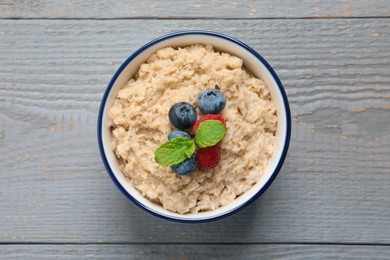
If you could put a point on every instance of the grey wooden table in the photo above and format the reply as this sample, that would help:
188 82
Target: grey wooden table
331 199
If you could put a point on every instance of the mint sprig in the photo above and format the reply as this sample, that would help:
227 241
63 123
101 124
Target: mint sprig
209 133
174 151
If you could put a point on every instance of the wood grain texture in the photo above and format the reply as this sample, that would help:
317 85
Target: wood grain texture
193 9
333 188
194 251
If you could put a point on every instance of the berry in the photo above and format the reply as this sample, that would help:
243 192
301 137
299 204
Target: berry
208 117
211 101
208 158
178 133
182 115
185 167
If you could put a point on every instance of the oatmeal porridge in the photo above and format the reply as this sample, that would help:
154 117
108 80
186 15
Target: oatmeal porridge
140 124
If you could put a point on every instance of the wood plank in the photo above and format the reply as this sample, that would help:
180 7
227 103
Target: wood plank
169 251
334 187
197 9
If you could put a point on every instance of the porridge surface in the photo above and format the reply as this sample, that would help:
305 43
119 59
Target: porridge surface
140 124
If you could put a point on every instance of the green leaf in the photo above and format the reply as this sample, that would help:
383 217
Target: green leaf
174 151
209 133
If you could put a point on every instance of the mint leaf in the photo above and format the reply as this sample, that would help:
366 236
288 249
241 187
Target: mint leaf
209 133
174 151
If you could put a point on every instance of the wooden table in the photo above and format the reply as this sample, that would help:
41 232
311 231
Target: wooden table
331 199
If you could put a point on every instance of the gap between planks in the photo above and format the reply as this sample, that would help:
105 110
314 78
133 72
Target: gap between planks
201 243
202 18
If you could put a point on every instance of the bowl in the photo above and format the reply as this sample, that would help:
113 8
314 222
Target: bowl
254 62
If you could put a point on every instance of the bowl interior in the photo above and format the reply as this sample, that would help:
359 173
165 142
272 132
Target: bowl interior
252 62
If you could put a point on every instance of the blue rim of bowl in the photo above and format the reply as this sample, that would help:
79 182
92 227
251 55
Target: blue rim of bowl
133 56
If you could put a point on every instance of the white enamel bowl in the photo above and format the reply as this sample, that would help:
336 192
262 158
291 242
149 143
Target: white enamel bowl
254 63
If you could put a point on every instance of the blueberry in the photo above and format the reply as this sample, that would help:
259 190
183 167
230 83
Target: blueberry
185 167
178 133
211 101
182 115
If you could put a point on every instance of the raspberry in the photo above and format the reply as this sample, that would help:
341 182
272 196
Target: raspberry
208 158
208 117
